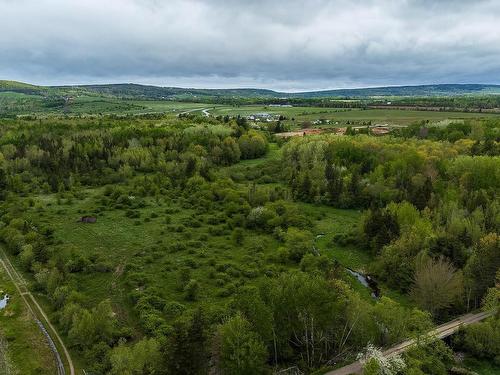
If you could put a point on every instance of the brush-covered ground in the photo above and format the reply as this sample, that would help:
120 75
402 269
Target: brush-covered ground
168 238
213 238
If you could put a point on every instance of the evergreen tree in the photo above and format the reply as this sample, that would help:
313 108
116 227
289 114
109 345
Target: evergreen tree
334 183
186 347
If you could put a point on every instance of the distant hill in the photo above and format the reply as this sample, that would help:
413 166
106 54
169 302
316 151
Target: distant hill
134 90
15 86
422 90
129 90
146 91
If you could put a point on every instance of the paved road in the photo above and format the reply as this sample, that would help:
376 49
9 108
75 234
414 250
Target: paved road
441 331
23 291
203 110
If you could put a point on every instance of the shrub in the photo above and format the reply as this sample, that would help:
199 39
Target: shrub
191 290
173 309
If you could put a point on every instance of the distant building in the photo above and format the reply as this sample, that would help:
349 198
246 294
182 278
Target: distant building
299 133
262 116
380 130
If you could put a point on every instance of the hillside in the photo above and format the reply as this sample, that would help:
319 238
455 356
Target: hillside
421 90
128 90
21 87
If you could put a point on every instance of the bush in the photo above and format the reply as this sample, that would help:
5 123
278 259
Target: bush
183 278
173 309
345 239
481 339
191 290
133 214
238 236
298 242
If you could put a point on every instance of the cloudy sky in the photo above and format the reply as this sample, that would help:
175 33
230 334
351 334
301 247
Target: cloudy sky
285 45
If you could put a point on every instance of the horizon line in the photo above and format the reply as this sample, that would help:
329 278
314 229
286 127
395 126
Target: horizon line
256 88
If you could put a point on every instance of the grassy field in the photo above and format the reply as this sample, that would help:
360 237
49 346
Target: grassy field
143 243
335 221
22 344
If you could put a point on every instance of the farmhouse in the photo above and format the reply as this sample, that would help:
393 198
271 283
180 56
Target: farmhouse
262 116
259 116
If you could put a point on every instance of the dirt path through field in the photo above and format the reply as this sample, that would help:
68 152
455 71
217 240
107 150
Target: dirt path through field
38 314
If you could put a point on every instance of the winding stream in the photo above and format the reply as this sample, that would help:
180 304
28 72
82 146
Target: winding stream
366 280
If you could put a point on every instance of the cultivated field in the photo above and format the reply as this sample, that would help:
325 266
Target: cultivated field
342 115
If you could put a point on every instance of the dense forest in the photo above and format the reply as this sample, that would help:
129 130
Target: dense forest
204 256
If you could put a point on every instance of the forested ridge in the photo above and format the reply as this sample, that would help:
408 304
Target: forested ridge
205 255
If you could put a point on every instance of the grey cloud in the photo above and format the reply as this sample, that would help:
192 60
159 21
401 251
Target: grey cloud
289 44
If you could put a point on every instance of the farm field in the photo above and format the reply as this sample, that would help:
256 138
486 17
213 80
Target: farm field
342 115
81 105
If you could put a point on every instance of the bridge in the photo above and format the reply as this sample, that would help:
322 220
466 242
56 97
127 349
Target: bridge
440 332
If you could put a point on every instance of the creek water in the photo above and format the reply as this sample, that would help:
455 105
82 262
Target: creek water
366 280
3 301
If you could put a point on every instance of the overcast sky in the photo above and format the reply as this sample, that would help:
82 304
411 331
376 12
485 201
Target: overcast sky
285 45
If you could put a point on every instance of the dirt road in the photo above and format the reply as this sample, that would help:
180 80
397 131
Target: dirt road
441 331
38 315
